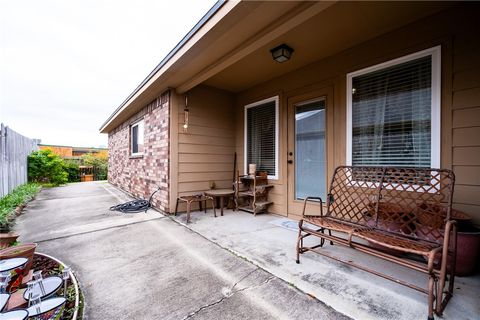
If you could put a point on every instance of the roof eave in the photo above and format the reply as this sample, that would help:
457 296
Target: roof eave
160 68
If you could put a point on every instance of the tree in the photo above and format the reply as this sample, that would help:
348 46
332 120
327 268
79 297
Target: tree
99 161
46 167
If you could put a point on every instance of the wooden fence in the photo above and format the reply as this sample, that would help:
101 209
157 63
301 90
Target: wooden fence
14 150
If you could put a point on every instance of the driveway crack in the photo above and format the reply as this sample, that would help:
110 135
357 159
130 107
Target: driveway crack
194 313
230 293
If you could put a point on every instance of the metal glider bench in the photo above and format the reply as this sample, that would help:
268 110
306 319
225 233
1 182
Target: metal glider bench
402 215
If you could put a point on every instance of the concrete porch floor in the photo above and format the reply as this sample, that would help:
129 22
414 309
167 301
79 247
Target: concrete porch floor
269 242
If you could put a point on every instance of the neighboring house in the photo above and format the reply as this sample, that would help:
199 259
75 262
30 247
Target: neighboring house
368 83
69 152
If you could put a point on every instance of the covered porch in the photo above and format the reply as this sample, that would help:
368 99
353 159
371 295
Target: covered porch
335 44
269 242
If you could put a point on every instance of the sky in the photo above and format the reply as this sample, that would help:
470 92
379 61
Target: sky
65 66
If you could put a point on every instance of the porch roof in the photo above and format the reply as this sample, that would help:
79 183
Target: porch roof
229 47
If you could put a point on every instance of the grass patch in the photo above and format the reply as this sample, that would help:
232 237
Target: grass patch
19 196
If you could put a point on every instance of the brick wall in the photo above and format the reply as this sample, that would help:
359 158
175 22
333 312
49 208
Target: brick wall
142 175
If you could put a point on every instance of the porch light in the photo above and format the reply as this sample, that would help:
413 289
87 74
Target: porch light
185 112
281 53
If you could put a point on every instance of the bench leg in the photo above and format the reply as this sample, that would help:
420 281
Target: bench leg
431 296
446 259
299 240
213 207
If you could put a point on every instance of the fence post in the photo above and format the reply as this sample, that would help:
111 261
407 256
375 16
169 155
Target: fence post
3 164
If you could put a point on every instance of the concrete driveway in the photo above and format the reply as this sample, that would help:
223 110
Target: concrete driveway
147 266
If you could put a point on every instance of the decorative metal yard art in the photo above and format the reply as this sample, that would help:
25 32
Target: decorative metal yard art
4 297
40 292
15 315
11 271
4 280
37 275
45 288
40 306
50 309
65 277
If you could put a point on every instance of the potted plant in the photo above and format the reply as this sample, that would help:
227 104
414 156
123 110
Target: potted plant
468 249
7 239
25 250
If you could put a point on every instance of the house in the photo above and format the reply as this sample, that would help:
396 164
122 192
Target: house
362 83
70 152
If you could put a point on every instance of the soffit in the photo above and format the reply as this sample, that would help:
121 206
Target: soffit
231 51
242 22
339 27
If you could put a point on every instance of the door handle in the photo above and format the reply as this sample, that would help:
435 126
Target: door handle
290 161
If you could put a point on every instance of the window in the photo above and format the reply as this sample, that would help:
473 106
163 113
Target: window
310 149
393 112
136 138
261 136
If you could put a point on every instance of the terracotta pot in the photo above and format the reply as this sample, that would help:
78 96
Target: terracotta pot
429 233
468 248
25 250
468 251
384 225
6 239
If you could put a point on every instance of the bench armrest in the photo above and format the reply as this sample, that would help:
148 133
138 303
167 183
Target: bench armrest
312 199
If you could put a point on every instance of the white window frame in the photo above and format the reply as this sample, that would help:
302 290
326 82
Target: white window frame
435 133
251 105
137 123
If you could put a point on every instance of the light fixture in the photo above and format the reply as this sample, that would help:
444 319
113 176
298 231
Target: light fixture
281 53
185 113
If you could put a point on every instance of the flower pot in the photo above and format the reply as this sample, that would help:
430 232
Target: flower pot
6 239
468 251
384 225
25 250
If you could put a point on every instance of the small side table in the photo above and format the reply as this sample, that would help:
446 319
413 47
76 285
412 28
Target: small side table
195 198
222 194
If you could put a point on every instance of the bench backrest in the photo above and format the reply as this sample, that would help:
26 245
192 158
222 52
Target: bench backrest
410 202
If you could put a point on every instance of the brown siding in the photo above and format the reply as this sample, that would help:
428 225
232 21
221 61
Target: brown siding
457 31
466 121
206 150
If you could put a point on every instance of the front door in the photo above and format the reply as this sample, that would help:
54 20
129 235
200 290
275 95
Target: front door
307 150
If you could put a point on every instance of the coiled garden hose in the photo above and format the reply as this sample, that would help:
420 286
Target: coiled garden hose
135 206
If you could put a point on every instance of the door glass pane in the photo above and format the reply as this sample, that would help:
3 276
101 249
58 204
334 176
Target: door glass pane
310 160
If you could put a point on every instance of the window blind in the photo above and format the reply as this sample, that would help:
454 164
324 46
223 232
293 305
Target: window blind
391 115
137 138
261 144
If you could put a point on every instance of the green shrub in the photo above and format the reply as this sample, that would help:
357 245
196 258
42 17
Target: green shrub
72 170
100 163
46 167
18 196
